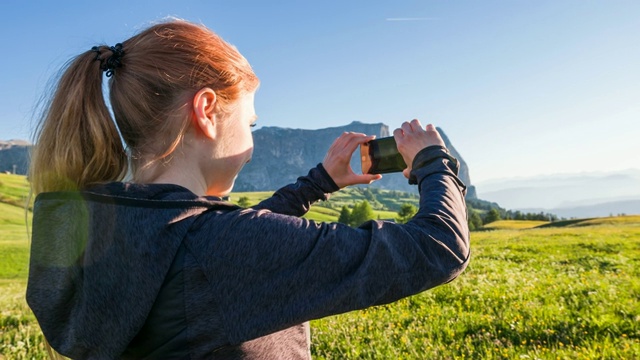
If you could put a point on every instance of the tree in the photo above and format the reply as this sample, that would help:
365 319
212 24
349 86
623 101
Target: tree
243 202
475 221
491 216
406 213
518 215
361 212
368 195
345 215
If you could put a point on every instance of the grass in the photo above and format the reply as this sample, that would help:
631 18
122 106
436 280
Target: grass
569 292
513 224
551 293
322 214
252 197
12 215
329 211
20 336
379 199
14 189
617 220
14 242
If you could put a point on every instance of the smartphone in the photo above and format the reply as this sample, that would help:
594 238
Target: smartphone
381 156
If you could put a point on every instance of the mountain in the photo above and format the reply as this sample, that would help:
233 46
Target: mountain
568 195
283 154
14 156
280 156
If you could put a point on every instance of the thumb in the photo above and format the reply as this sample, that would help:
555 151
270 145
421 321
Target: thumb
367 178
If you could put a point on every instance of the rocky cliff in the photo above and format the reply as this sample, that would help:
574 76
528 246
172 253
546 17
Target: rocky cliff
14 156
283 154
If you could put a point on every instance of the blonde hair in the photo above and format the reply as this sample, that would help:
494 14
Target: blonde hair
77 143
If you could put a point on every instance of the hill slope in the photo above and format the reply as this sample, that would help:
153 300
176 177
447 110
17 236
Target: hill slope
14 189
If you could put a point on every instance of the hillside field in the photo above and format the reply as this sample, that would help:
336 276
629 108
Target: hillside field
565 290
385 203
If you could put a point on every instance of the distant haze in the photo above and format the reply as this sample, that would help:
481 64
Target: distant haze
568 195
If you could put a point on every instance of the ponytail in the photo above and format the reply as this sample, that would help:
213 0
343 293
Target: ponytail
76 141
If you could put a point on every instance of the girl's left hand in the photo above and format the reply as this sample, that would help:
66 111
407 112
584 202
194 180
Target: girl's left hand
337 162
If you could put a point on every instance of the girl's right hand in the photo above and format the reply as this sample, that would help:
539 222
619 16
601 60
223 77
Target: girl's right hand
411 138
338 159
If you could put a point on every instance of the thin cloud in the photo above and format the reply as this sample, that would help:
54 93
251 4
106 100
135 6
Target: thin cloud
410 19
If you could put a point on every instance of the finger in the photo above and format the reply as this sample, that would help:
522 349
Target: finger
373 178
337 159
434 135
406 127
365 178
347 137
353 142
342 142
415 125
362 138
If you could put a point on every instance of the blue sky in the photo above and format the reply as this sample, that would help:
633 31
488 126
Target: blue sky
521 88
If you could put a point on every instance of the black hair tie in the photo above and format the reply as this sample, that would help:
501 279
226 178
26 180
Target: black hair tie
114 61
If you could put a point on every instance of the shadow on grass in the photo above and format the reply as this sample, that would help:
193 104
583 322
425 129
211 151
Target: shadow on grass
563 223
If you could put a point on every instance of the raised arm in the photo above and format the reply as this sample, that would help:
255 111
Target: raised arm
333 174
286 270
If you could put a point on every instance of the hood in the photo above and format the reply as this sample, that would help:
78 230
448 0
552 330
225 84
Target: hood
99 258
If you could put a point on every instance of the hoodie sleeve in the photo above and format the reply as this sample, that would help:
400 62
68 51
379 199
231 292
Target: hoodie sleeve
296 199
270 271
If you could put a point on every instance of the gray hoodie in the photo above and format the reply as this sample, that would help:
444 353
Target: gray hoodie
153 271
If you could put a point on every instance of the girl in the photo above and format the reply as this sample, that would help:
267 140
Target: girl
160 266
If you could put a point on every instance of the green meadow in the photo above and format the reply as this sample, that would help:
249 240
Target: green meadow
533 290
569 292
385 203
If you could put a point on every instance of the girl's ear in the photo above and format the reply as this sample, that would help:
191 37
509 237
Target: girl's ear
204 110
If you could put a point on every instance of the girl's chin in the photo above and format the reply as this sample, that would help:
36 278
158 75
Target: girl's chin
221 191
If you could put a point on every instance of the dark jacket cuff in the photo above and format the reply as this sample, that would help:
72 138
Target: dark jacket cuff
324 180
429 156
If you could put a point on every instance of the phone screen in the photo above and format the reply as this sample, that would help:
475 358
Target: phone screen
380 156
